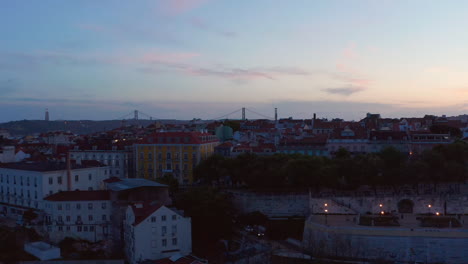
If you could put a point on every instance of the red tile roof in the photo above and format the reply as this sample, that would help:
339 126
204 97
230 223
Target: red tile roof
180 138
146 209
79 196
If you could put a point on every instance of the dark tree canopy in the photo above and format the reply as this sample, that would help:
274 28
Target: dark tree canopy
445 163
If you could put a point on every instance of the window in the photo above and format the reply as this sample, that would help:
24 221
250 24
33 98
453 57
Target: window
79 228
104 217
150 156
90 206
85 228
77 177
104 205
60 228
185 156
153 219
164 242
67 206
90 217
174 217
163 218
174 241
59 207
174 229
91 228
90 176
168 155
51 180
68 228
78 218
168 166
163 230
78 206
67 218
59 218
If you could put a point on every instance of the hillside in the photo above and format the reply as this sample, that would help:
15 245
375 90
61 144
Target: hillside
29 127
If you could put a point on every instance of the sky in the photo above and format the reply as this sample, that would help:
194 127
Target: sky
187 59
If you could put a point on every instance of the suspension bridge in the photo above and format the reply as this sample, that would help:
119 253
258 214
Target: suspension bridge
241 115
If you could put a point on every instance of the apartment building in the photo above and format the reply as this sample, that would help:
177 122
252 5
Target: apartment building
176 153
79 214
153 232
24 185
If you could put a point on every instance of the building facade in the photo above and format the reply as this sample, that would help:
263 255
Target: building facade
78 214
176 153
120 161
23 186
153 232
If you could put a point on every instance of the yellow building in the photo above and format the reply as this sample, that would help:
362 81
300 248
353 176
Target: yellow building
173 152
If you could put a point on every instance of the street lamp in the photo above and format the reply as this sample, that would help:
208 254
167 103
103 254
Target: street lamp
326 216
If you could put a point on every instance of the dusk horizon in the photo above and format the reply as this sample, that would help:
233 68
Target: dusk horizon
186 59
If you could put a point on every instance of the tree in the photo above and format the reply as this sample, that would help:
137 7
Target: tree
29 215
170 181
212 216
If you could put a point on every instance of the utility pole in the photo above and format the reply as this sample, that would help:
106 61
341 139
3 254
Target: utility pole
243 113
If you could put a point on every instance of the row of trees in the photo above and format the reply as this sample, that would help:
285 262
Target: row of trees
444 163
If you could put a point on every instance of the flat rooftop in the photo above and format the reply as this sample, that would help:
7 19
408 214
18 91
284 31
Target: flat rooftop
126 184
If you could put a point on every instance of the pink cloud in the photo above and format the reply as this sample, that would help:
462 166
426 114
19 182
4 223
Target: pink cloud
175 7
156 57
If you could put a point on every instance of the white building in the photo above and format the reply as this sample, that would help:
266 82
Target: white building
79 214
154 232
7 154
118 160
25 185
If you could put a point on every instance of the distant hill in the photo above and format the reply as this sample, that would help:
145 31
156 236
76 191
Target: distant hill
30 127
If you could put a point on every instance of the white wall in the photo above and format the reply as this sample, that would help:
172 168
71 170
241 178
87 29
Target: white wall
117 160
146 240
63 219
32 186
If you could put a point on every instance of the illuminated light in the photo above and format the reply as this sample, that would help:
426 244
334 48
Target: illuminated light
381 205
437 213
382 212
326 210
429 205
326 204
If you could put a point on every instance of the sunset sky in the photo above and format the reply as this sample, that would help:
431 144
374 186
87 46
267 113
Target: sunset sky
97 59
